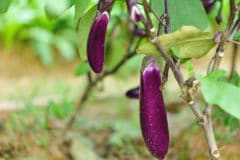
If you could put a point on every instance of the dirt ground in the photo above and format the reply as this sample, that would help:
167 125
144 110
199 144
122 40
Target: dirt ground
23 78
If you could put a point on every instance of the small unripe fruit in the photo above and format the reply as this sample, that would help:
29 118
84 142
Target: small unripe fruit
208 5
133 10
133 93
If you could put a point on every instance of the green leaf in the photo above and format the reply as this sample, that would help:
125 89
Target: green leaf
221 93
4 4
80 8
55 8
237 36
187 42
235 79
84 27
42 43
82 69
190 68
183 12
65 47
44 51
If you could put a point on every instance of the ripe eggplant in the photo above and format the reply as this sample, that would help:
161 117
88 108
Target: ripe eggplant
96 42
96 38
153 117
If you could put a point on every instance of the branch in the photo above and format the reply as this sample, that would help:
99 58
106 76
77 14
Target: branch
214 65
225 37
92 83
188 91
167 17
233 60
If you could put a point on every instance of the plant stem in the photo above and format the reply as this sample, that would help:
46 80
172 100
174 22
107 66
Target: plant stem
209 133
92 83
88 89
233 61
167 17
205 118
226 34
214 65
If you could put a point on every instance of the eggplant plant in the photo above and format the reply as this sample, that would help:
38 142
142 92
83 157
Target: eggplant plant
169 33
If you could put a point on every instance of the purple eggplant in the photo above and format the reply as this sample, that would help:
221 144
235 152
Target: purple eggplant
133 93
140 32
208 5
96 38
153 117
133 10
96 42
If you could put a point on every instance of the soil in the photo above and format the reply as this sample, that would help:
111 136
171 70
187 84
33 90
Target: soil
20 72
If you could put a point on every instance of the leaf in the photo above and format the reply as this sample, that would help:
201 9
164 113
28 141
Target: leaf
237 36
190 68
55 8
221 93
84 29
82 68
65 47
187 42
80 8
183 12
44 51
4 4
117 43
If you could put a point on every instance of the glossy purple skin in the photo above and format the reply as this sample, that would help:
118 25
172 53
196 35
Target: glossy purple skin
153 115
208 5
96 41
133 10
140 32
133 93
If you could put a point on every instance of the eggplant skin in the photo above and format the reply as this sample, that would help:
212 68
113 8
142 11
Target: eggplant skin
133 93
96 42
208 5
153 117
133 10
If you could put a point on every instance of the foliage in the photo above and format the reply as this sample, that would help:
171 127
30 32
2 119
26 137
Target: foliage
30 24
65 27
187 42
4 4
84 26
221 93
183 18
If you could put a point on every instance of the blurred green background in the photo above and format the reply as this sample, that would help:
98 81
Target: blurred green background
42 78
